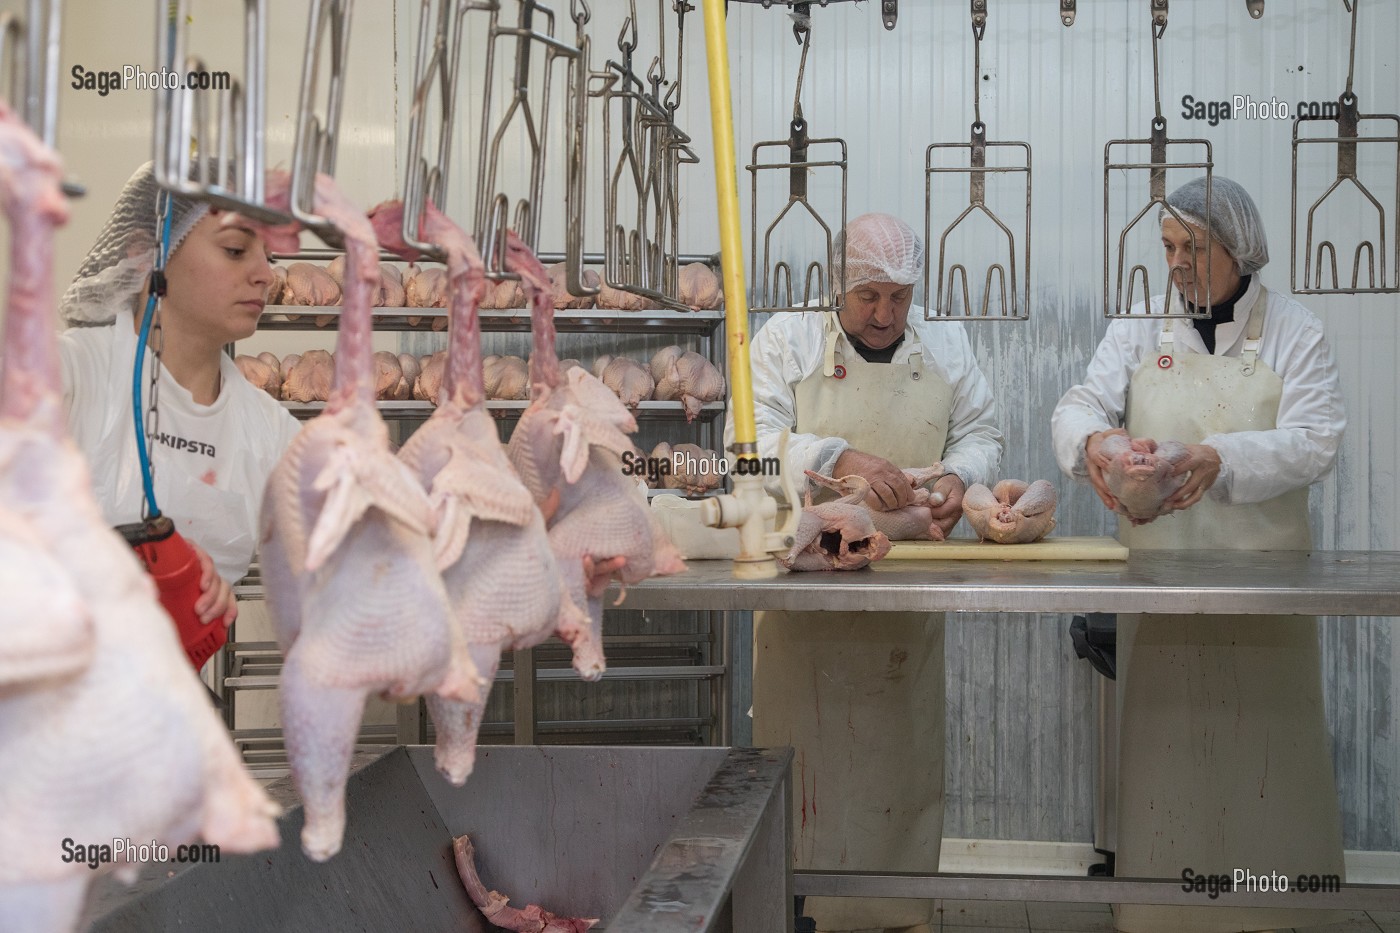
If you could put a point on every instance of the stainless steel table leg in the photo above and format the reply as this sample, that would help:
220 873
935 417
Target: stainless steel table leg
524 686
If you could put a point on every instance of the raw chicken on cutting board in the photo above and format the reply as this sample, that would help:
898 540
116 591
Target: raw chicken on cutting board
1014 512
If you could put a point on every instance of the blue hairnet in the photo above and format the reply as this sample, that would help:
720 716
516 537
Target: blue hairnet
1234 220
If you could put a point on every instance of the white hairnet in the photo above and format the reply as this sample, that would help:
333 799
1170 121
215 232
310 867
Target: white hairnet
1234 220
879 248
116 267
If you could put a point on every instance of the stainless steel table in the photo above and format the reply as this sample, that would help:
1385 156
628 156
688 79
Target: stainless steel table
1336 583
1346 583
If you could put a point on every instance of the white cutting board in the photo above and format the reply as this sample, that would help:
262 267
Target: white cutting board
1045 549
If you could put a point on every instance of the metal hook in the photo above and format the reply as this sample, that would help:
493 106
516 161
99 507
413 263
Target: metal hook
1255 8
1067 12
580 16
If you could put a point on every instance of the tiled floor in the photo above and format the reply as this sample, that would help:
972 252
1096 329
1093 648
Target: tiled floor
1046 917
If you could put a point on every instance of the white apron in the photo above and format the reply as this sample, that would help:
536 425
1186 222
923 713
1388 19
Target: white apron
860 696
1224 756
218 520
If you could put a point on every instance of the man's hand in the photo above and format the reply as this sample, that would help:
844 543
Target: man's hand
1095 462
945 516
1204 467
215 594
889 487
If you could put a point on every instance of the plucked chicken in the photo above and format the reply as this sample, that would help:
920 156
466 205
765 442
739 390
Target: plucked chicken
388 373
568 450
502 581
1013 512
507 378
430 376
631 381
686 376
410 367
309 377
105 731
700 288
692 469
310 285
836 535
1140 474
346 548
559 291
260 373
913 522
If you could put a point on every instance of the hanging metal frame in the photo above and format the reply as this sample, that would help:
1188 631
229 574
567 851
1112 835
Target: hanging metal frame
32 90
889 9
1119 304
437 62
772 282
650 148
224 126
1347 139
494 213
318 136
940 305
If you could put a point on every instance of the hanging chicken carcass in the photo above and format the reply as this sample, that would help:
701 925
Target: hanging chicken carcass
346 548
502 581
568 450
105 731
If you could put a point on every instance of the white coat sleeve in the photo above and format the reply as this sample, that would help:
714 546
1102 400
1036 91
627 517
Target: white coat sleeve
1100 402
1259 465
777 369
974 446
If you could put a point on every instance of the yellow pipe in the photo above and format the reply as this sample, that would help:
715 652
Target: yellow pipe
749 507
736 315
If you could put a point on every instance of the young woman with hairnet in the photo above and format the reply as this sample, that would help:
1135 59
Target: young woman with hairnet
218 437
1223 761
868 391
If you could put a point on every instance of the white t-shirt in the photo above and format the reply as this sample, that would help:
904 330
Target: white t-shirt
211 462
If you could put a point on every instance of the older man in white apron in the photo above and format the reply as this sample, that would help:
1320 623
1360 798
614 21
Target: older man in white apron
860 695
1224 756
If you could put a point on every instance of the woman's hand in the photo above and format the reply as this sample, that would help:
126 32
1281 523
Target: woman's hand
1095 462
1204 467
946 515
215 594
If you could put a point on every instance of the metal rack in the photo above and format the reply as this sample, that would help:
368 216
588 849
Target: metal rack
941 304
1157 166
1348 140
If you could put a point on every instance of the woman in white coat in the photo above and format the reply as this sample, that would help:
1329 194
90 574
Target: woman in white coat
1224 756
860 695
217 436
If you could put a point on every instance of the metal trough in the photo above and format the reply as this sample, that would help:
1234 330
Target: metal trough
649 839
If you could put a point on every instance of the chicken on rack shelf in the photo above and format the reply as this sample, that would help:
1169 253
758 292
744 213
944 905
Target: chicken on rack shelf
346 546
105 731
